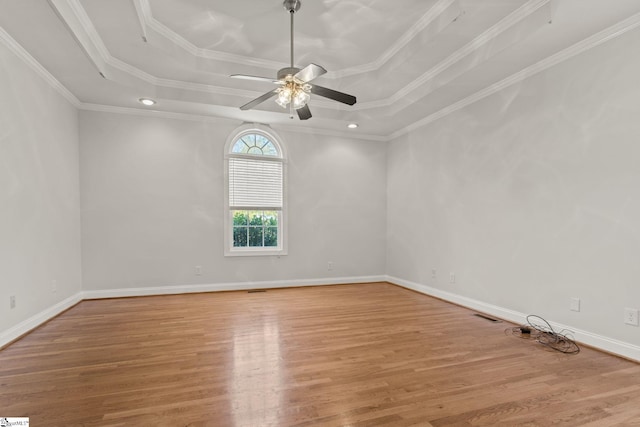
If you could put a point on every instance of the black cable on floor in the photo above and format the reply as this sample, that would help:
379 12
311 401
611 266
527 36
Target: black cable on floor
541 331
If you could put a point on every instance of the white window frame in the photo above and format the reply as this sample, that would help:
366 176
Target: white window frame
267 132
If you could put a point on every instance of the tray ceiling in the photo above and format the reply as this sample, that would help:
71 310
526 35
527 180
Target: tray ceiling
408 62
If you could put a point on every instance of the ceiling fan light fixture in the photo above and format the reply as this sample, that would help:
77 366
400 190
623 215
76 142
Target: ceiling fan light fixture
284 95
300 98
352 125
293 93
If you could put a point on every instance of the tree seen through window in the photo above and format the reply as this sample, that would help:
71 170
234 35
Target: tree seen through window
255 228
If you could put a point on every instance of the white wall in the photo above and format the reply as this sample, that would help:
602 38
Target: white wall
152 206
39 197
531 196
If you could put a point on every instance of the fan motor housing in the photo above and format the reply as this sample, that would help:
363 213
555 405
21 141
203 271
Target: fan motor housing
288 71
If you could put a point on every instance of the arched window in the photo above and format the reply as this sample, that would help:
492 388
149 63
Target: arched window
255 196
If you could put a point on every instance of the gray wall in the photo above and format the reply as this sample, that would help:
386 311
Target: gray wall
153 205
39 195
531 196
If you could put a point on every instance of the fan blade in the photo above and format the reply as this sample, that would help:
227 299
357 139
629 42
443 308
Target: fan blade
259 100
333 94
256 78
310 72
304 113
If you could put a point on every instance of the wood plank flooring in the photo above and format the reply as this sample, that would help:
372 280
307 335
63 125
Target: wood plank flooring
353 355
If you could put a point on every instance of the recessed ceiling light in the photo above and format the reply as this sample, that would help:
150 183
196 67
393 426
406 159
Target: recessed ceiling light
352 125
147 101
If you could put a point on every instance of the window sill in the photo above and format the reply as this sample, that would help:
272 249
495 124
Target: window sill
254 252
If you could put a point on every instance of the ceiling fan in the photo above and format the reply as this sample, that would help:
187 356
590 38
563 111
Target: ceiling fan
294 84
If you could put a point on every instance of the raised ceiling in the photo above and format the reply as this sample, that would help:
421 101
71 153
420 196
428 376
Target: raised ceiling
408 62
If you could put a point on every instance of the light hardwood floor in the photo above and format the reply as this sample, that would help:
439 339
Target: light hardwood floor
353 355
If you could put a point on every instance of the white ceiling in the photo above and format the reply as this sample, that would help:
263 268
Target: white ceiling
408 62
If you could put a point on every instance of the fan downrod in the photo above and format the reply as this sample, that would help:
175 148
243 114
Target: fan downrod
291 5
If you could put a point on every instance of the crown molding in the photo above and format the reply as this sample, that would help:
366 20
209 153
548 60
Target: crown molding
190 86
107 63
149 22
142 9
73 16
584 45
90 41
179 84
80 25
32 63
214 119
328 132
432 15
475 45
89 28
595 40
101 108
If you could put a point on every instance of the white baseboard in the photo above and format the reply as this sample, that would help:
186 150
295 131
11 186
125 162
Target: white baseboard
609 345
233 286
624 349
33 322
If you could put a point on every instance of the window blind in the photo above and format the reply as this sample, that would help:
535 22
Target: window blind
255 184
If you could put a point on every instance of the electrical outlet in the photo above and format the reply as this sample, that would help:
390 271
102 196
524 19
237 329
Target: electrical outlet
574 304
631 316
330 265
54 286
198 270
452 277
12 301
433 273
